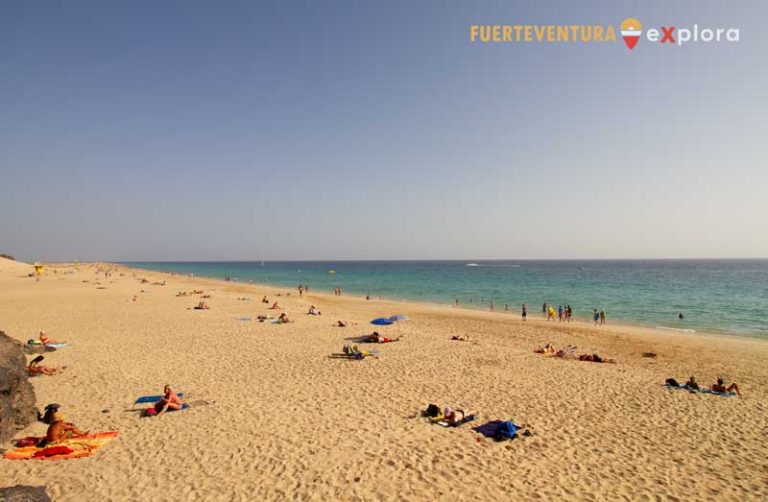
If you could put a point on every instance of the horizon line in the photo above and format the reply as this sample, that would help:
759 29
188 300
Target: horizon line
403 260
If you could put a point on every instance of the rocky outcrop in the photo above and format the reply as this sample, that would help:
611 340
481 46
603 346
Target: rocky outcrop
24 494
17 398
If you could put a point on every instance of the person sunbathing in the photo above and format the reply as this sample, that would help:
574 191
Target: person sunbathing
283 318
35 368
313 311
691 384
60 430
275 306
170 401
202 306
355 353
547 349
565 352
720 387
375 337
341 324
181 293
264 300
45 340
451 416
594 358
460 338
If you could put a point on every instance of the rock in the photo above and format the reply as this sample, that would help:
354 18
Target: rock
21 493
17 397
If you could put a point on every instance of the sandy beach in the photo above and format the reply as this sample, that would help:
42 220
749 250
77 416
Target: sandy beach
286 421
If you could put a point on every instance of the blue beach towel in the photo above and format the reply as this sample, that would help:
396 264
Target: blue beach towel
382 321
152 399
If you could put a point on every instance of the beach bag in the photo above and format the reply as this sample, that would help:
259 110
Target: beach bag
433 410
505 430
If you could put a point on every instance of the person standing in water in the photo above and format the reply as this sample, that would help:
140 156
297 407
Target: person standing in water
595 316
602 317
525 312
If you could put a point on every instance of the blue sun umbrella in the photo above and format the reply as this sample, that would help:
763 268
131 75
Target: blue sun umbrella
382 321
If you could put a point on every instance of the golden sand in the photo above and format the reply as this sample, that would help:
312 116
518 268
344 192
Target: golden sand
286 421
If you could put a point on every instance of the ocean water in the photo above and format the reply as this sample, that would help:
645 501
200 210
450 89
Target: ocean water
721 296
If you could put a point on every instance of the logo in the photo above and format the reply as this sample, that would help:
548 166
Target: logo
631 29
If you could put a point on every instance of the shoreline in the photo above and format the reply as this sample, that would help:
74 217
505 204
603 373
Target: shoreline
621 324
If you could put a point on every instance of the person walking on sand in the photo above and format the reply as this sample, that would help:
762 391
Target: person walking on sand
525 312
560 313
602 317
595 316
544 310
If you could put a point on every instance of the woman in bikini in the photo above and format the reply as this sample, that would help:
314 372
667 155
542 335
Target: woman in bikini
60 430
170 401
35 368
720 387
375 337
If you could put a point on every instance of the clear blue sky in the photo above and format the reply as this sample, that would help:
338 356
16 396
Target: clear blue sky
357 130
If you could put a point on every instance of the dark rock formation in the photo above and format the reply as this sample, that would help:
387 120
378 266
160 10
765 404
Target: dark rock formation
17 398
24 494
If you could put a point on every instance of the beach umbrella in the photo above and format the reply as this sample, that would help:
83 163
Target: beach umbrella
382 321
398 317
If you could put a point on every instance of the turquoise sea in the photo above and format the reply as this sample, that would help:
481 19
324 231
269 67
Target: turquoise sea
721 296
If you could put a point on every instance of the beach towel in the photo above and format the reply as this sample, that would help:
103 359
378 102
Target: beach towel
701 391
355 354
153 399
382 321
72 448
57 345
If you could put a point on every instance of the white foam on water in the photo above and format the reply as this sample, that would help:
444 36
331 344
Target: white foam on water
676 329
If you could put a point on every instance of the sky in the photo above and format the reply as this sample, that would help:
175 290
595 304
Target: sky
352 130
